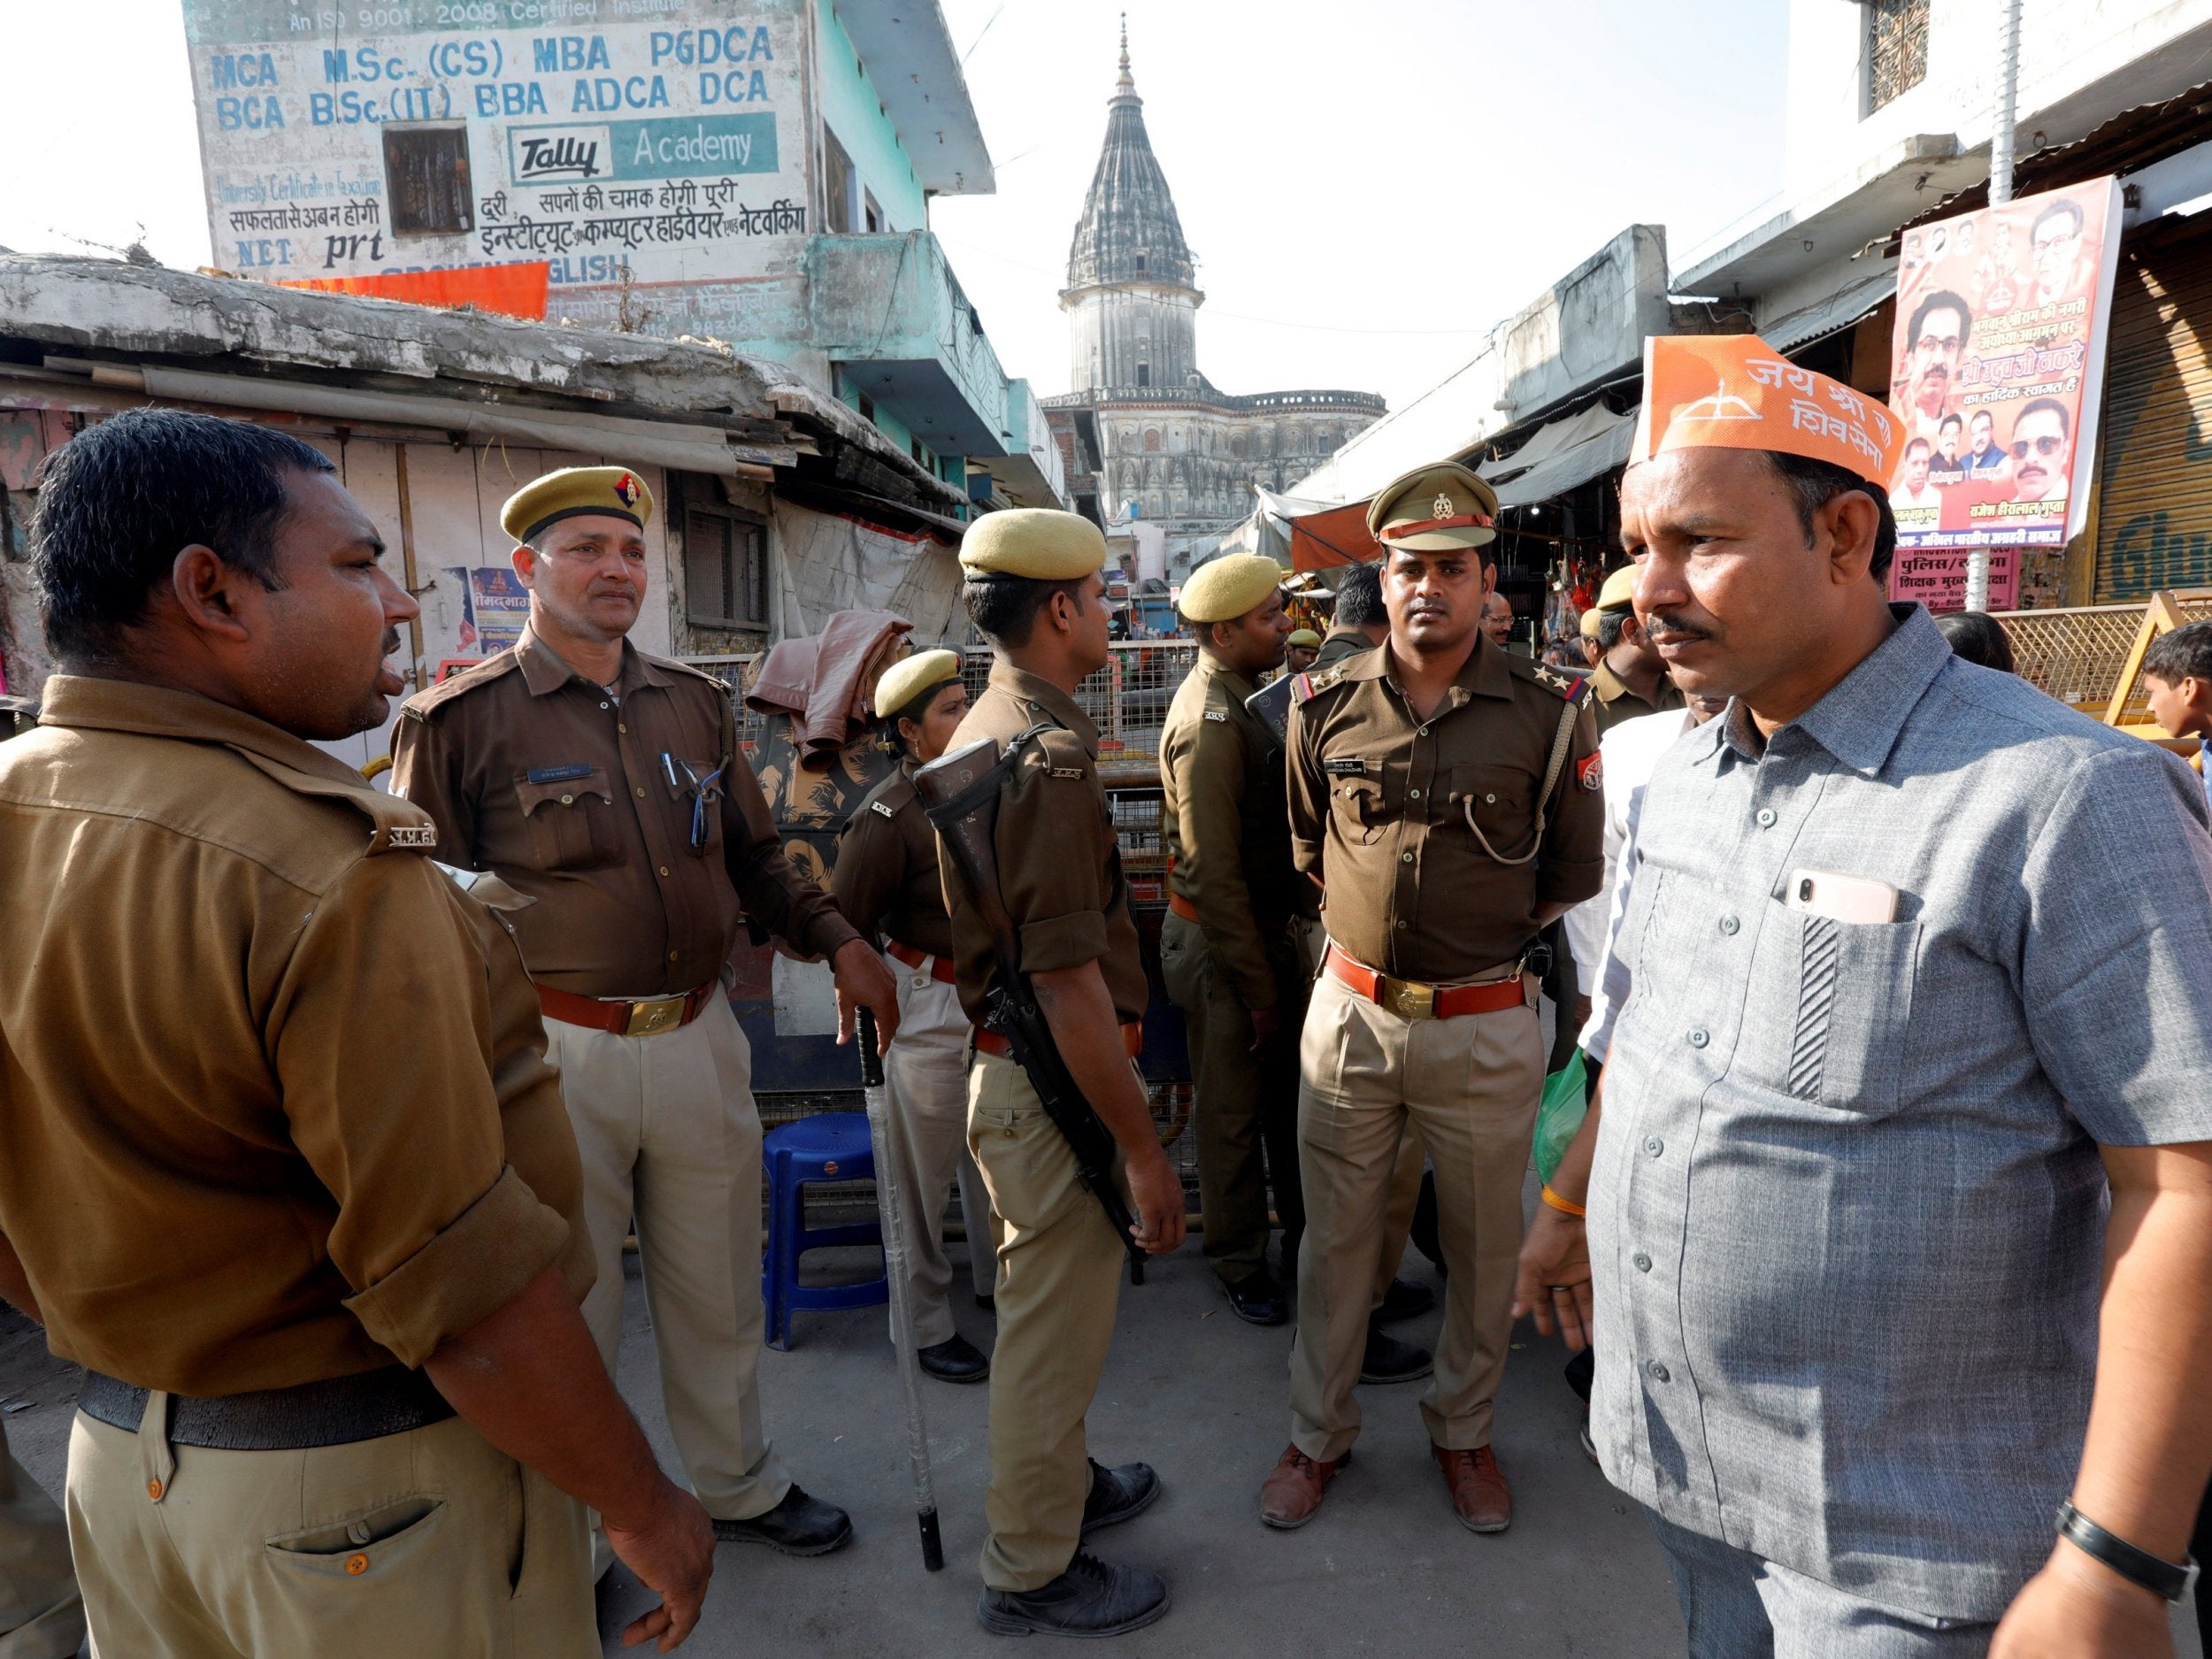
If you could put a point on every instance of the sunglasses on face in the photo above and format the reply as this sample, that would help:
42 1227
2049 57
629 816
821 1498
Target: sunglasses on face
2042 446
704 793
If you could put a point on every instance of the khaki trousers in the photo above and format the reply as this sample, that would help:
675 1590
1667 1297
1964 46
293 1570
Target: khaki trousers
429 1543
671 1138
1405 1198
41 1615
1059 1279
1470 1086
926 1076
1245 1114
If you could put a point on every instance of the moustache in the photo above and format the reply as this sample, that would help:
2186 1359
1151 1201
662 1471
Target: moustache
391 641
1662 622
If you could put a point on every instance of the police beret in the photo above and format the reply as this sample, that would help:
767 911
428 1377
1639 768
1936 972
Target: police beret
1227 587
1619 589
614 492
1304 636
1033 541
1433 509
1590 620
910 676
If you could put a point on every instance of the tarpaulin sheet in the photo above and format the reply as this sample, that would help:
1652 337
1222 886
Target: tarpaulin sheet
1604 446
827 562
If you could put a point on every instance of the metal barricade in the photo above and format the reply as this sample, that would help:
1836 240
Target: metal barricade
2080 655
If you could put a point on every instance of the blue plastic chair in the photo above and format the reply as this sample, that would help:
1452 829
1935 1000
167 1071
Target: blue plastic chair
829 1146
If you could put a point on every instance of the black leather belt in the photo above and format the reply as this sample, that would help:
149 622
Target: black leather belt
365 1407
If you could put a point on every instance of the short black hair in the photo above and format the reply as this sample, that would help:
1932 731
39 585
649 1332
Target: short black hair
119 501
913 708
2065 419
1816 483
1611 624
1919 443
1949 420
1359 600
1004 608
1942 300
2060 209
2182 653
1977 637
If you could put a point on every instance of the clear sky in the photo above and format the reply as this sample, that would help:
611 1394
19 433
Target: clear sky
1368 185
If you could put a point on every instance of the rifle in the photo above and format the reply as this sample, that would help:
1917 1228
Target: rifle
960 793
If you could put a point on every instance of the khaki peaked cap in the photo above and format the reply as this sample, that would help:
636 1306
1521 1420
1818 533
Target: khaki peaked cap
910 676
614 492
1433 509
1224 589
1039 543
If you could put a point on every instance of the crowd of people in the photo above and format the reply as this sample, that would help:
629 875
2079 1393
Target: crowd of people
1886 1232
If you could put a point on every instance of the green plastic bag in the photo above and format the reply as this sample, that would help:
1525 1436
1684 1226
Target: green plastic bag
1559 1119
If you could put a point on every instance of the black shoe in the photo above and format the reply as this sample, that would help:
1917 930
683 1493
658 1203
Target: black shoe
986 1300
799 1526
1090 1599
955 1359
1388 1360
1118 1493
1258 1299
1404 1300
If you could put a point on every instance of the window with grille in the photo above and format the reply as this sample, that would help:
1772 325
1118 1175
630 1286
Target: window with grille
725 571
427 180
1896 49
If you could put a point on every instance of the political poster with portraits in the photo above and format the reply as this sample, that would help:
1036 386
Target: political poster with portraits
1997 371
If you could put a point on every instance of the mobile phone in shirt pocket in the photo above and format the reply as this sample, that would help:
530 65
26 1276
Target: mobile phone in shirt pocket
1843 898
1854 995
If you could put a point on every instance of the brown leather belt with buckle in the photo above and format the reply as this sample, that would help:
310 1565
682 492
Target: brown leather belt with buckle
991 1042
646 1017
941 968
1182 907
1410 999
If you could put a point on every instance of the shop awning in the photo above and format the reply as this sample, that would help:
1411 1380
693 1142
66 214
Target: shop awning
1552 439
1600 445
1839 310
1335 535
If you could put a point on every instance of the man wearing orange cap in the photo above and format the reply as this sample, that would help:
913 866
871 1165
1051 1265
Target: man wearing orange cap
1899 1183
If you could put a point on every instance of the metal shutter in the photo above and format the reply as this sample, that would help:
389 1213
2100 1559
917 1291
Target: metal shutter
2155 514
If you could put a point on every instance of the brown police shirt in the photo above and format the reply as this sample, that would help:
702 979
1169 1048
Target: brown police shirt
1336 645
1226 826
1611 701
1380 805
561 788
274 1108
886 881
1059 864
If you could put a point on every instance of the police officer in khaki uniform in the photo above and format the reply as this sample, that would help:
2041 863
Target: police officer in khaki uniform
1300 649
1035 591
607 786
281 1164
1444 792
1630 678
887 884
1227 950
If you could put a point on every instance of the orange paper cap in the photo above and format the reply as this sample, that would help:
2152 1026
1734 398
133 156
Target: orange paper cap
1735 392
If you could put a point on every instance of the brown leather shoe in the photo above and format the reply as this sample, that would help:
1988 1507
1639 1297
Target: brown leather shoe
1292 1491
1480 1497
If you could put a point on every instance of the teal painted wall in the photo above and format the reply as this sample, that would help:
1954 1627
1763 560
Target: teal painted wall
853 109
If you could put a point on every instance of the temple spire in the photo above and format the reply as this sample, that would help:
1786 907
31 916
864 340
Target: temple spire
1126 87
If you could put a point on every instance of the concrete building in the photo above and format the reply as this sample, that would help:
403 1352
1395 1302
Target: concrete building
778 505
1145 437
756 174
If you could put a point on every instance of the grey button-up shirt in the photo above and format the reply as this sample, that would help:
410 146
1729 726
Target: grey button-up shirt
1847 1210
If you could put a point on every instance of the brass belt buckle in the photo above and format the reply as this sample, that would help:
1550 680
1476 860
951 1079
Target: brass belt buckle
1409 999
650 1018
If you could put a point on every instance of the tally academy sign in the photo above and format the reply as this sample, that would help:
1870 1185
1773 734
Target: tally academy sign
619 141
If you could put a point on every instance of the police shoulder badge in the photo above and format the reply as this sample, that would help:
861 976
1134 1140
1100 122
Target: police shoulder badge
1591 770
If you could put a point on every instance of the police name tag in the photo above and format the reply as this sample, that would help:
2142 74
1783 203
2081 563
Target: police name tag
1350 765
560 774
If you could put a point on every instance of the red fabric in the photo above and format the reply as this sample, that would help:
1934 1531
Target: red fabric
513 290
1324 540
